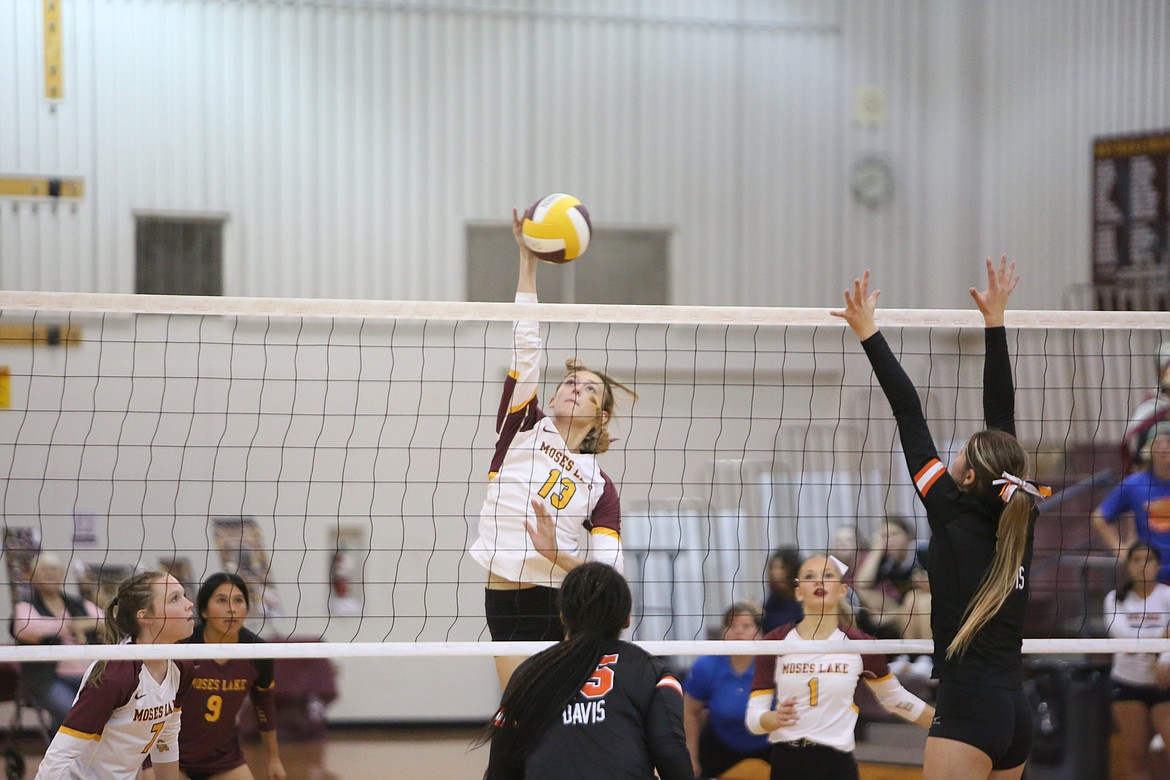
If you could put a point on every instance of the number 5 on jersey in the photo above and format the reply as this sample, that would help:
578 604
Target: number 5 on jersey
601 682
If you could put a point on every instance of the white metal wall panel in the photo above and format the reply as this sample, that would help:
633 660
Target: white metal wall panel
350 142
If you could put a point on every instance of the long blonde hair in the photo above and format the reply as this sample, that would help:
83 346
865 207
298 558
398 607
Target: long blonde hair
597 440
134 594
990 453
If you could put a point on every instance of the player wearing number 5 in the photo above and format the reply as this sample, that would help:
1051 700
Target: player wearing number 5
210 747
128 710
804 700
591 707
549 506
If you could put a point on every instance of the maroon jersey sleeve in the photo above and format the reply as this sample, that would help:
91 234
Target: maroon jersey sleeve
608 512
97 700
764 677
874 666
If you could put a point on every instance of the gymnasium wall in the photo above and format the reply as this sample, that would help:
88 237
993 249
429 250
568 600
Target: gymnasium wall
349 143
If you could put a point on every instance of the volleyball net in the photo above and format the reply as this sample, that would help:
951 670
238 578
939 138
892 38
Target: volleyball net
335 453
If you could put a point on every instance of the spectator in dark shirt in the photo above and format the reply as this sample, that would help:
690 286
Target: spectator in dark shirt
781 606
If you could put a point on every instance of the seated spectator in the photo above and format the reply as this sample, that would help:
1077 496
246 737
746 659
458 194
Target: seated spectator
780 605
53 617
1135 442
1141 701
884 583
716 697
844 547
1145 494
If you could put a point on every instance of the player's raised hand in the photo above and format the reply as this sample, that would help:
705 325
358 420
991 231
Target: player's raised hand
1000 283
860 305
544 533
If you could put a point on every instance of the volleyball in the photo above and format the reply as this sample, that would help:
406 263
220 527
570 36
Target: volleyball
557 228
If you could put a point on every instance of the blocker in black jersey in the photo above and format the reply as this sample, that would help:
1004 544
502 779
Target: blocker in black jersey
962 524
626 722
982 518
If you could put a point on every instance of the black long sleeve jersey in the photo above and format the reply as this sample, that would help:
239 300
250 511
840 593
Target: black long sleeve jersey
962 525
626 722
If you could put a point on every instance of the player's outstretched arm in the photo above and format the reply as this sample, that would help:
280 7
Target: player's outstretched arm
527 281
992 301
860 305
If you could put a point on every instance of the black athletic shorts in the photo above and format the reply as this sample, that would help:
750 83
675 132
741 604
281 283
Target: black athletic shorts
809 761
1148 696
998 721
524 614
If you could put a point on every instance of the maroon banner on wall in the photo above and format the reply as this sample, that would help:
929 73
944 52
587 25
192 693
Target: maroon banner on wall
1131 222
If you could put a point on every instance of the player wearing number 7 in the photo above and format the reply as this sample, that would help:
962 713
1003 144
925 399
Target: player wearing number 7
128 710
811 723
549 506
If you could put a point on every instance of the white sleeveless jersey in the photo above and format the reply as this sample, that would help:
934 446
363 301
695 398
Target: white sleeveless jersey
531 461
115 724
823 685
1137 618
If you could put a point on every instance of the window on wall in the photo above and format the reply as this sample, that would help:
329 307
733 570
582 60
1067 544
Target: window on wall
179 255
622 266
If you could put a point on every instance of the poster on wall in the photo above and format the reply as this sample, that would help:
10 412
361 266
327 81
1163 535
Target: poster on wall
242 551
345 571
1131 222
179 567
21 547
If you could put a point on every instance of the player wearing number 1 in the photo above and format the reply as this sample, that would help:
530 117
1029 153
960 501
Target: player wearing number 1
210 748
549 506
591 707
804 700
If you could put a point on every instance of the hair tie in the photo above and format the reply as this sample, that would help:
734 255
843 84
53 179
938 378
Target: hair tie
1011 483
841 567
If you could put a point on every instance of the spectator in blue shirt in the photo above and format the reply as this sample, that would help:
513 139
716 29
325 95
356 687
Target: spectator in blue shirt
1146 495
715 700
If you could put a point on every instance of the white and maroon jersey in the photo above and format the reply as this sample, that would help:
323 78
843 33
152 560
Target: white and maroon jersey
116 723
1134 617
823 685
532 461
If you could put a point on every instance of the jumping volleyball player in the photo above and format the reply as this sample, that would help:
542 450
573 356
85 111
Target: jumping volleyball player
982 513
549 506
128 710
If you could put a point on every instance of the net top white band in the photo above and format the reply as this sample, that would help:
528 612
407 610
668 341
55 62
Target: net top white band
509 312
480 649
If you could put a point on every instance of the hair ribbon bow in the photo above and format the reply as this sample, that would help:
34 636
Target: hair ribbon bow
1011 483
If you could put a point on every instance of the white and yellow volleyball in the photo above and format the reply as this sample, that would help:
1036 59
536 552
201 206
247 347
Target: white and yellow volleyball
557 228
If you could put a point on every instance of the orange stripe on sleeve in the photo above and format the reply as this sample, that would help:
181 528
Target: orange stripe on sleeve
929 474
669 681
607 532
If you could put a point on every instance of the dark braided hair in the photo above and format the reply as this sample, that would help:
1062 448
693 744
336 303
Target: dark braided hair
595 607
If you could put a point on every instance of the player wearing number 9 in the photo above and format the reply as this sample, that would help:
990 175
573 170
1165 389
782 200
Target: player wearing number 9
128 710
210 745
811 725
592 707
549 506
